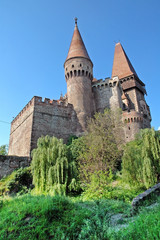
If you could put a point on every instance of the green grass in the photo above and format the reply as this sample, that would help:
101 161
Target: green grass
4 183
45 217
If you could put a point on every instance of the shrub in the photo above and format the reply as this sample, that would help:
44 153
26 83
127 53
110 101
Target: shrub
21 182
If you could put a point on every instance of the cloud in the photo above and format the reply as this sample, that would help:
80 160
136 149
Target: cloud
159 128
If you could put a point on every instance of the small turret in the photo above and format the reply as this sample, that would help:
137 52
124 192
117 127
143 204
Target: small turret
79 74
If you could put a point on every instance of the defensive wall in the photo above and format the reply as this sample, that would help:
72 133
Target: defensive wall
39 118
107 94
10 163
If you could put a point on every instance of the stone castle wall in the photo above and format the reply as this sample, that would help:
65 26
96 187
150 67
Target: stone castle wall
107 94
20 134
41 118
54 119
9 163
78 74
133 122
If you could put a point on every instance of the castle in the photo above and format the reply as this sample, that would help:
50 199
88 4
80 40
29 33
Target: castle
85 96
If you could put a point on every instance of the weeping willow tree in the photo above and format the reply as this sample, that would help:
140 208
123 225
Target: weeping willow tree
53 169
141 159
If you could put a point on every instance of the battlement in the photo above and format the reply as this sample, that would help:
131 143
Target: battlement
28 105
132 117
36 100
49 102
105 83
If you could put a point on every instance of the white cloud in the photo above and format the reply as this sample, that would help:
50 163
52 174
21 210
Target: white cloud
159 128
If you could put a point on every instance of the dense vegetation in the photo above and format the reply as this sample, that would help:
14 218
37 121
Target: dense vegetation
141 159
54 171
100 176
45 217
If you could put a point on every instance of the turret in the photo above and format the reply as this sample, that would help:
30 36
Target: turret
79 74
136 113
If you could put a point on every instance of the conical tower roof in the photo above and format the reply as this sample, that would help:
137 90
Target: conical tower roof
122 66
77 47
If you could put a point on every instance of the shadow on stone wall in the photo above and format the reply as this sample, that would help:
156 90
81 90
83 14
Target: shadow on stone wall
9 163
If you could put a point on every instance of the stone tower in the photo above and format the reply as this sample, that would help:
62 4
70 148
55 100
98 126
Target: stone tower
79 74
136 112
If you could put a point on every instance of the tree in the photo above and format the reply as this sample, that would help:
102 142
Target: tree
53 170
141 159
4 149
102 144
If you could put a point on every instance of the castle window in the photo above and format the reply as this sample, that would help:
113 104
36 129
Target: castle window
78 72
128 120
68 75
129 128
80 65
89 75
110 84
134 119
72 66
71 73
82 72
75 73
86 73
106 85
131 119
124 106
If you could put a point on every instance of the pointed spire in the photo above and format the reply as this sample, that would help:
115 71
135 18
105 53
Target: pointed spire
77 47
122 66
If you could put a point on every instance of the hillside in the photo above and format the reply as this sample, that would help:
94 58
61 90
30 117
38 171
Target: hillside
44 217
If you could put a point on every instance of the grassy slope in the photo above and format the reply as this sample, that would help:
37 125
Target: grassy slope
39 217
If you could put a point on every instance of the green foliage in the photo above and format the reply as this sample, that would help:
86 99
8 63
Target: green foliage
141 159
102 186
21 182
146 226
18 182
102 144
45 217
53 168
4 149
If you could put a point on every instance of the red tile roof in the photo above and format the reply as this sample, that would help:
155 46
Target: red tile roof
77 47
122 66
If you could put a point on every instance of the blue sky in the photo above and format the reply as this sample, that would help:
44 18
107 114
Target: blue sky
35 36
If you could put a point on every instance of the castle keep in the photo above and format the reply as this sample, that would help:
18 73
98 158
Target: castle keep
85 96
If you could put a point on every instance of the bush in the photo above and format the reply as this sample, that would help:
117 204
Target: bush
21 182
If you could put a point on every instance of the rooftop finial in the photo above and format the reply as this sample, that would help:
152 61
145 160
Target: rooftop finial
76 20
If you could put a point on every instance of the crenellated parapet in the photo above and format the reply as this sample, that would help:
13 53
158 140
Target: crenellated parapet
132 117
105 83
26 108
55 103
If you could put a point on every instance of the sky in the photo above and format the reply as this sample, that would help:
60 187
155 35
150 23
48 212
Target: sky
35 36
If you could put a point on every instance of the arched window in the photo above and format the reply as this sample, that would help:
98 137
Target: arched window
75 73
78 72
71 73
82 72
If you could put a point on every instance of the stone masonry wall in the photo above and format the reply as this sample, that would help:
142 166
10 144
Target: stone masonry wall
107 94
20 134
9 163
53 119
